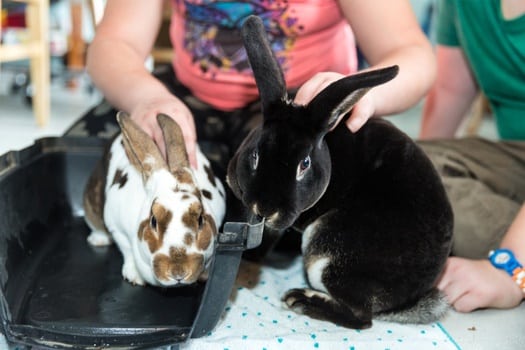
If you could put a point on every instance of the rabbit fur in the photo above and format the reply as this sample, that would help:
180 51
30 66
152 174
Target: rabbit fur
163 215
375 220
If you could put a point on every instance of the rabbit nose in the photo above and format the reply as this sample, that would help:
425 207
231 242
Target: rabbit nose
179 277
269 216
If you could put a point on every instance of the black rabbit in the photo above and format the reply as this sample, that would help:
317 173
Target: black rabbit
375 220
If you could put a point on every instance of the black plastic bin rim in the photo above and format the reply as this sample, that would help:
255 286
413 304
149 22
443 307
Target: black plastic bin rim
232 241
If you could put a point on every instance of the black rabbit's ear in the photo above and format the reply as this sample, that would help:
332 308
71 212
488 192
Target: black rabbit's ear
339 97
268 74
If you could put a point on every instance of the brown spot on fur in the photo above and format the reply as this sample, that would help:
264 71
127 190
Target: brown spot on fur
163 217
186 196
154 237
211 221
183 176
142 228
120 178
211 176
161 267
94 195
188 239
207 194
191 217
204 238
178 265
177 253
149 235
207 232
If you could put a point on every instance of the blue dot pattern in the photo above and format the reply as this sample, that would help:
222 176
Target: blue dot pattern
256 319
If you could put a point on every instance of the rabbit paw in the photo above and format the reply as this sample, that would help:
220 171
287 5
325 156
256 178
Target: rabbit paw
99 239
130 273
299 299
322 306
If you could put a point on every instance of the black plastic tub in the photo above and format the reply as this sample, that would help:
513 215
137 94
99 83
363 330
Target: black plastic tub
57 291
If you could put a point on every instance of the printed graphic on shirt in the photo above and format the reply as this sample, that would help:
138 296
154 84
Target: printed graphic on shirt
213 32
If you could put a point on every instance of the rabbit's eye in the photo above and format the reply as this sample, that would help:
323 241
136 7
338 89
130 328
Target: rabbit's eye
201 221
254 159
304 165
153 222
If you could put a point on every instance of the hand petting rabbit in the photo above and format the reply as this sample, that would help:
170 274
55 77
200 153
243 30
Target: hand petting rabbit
162 215
375 220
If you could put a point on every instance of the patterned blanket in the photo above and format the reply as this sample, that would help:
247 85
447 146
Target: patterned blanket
255 319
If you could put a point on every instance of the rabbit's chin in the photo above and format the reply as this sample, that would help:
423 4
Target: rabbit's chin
175 283
277 222
180 282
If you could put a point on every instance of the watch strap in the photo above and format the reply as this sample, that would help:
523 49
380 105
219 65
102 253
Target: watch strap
518 275
512 266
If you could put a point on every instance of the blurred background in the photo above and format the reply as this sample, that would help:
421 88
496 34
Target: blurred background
43 96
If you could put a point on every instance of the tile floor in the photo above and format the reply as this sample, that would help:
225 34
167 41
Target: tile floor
484 329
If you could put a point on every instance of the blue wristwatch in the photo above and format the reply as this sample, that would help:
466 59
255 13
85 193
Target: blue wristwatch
504 259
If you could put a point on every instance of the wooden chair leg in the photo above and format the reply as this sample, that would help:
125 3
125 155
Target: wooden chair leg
37 17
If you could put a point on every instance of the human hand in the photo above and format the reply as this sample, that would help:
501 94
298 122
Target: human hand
145 115
474 284
361 112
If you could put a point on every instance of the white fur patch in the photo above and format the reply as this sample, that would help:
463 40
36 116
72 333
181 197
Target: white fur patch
309 293
315 273
291 299
308 234
99 239
149 160
130 273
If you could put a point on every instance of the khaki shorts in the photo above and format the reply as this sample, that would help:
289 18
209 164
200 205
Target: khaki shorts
485 182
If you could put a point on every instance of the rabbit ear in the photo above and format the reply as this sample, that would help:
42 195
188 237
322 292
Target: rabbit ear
266 70
174 140
140 148
339 97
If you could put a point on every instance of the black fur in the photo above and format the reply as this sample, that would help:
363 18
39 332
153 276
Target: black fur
371 203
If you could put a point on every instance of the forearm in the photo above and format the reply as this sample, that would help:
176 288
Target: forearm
115 62
451 96
124 39
443 112
119 73
417 71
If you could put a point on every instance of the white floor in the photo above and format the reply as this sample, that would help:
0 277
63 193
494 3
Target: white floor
18 128
486 329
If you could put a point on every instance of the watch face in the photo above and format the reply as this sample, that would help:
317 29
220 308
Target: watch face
502 258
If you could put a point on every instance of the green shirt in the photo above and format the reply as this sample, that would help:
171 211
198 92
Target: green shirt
495 49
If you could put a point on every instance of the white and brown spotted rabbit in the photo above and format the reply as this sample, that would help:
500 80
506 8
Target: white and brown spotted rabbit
163 215
375 220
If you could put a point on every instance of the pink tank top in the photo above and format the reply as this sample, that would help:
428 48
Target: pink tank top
307 37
